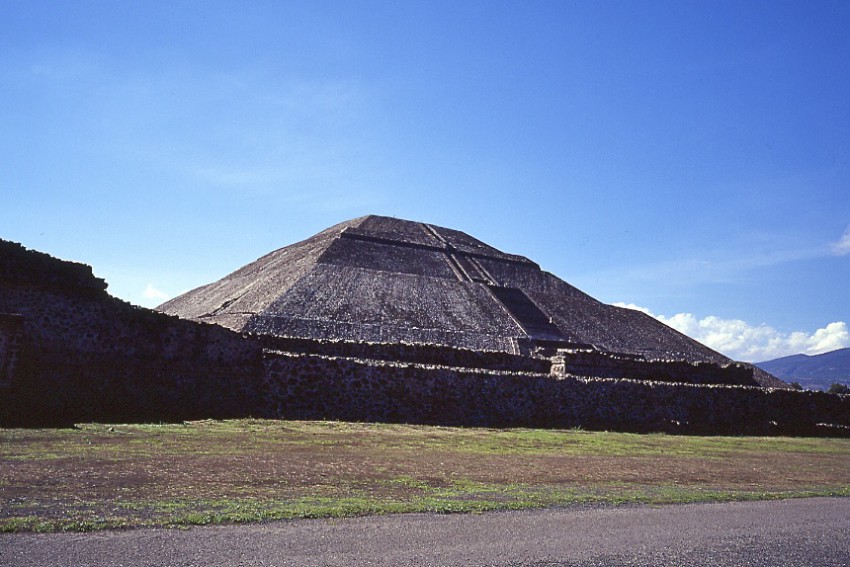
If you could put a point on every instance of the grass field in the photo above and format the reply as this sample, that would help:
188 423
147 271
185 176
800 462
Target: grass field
99 476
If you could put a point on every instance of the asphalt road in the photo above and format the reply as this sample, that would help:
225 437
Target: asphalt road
810 532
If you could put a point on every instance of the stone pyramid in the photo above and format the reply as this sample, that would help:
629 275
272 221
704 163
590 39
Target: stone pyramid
387 280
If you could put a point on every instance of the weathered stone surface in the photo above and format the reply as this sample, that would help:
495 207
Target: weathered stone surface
386 280
11 339
434 355
305 386
70 352
600 364
83 355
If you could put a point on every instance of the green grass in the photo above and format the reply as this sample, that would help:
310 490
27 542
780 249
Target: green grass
98 476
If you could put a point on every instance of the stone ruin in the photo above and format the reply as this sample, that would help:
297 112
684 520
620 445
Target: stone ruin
11 336
375 319
386 280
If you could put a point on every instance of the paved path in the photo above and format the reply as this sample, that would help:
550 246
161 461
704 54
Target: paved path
810 532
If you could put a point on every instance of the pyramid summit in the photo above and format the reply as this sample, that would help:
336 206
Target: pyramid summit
388 280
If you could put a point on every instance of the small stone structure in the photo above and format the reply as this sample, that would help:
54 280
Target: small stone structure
69 352
587 361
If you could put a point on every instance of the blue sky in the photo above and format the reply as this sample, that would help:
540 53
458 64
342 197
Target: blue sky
691 159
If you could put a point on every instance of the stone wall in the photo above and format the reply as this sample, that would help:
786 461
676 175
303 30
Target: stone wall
11 338
23 266
94 358
409 352
83 355
318 387
590 362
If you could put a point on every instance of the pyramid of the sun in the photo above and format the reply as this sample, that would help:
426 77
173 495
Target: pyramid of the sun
382 279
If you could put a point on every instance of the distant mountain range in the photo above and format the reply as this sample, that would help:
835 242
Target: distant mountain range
816 372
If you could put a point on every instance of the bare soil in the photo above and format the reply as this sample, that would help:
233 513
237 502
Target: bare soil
131 475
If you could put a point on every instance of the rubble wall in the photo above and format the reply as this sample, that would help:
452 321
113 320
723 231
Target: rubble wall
83 355
316 387
409 352
86 359
611 365
11 338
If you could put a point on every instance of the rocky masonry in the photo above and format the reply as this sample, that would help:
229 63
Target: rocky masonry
84 355
11 336
591 362
303 386
385 280
376 319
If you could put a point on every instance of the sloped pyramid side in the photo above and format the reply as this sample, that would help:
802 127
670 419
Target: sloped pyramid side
372 278
234 299
381 279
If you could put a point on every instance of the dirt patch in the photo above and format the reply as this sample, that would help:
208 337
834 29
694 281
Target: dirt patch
114 476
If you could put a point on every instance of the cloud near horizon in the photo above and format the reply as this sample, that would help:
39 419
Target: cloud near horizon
740 340
152 293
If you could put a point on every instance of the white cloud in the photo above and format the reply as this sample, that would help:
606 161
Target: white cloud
842 247
831 337
740 340
152 293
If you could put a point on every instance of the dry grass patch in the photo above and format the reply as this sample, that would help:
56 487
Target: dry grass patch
98 476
